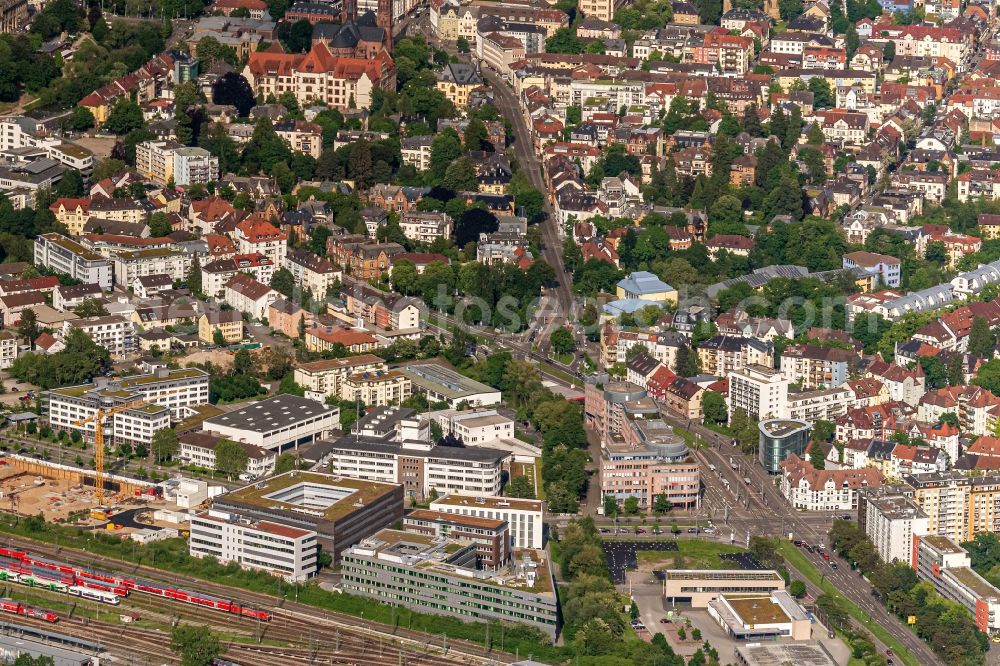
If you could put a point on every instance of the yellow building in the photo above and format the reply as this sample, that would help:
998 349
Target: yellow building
957 506
645 286
457 80
229 322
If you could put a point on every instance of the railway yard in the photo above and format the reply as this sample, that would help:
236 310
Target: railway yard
257 629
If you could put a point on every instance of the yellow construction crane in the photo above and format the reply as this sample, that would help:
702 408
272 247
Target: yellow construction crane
98 421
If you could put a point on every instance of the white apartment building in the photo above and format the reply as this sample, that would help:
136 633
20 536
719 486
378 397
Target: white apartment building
327 376
809 489
281 422
820 404
760 391
312 272
193 166
475 427
8 349
278 549
416 151
943 563
63 255
215 274
618 93
261 237
525 517
421 466
198 448
247 295
161 261
154 160
958 506
113 332
891 520
137 426
377 388
426 227
18 132
176 390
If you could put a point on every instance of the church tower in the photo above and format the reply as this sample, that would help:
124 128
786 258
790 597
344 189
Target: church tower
348 12
384 20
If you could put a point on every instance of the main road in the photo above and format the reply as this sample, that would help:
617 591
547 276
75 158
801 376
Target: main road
559 310
765 512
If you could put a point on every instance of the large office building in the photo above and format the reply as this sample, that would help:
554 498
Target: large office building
604 404
957 506
63 255
525 517
442 384
698 587
491 535
778 439
421 466
435 575
891 520
339 510
946 565
280 550
277 423
168 395
648 461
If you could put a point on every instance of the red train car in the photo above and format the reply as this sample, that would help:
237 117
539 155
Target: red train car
17 608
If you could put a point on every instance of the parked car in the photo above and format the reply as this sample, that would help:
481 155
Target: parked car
623 530
692 530
605 530
639 530
657 530
664 620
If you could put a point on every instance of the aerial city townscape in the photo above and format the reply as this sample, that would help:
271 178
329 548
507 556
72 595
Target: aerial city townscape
500 332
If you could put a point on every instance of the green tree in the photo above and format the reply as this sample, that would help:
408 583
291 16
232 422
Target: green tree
80 119
562 341
194 283
564 40
230 458
714 407
460 176
522 487
445 149
243 363
164 444
982 341
797 589
91 307
283 282
159 225
661 504
610 506
28 328
631 505
125 117
196 645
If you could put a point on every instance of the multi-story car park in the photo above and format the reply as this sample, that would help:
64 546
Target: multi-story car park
435 575
281 550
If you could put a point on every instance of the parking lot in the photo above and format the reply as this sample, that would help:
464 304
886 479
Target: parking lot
743 561
621 555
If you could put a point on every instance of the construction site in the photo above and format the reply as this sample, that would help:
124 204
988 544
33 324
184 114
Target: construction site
61 493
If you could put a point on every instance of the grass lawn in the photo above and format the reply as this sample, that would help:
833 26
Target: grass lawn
696 554
799 562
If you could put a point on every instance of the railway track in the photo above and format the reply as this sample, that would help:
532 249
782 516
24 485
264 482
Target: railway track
291 621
